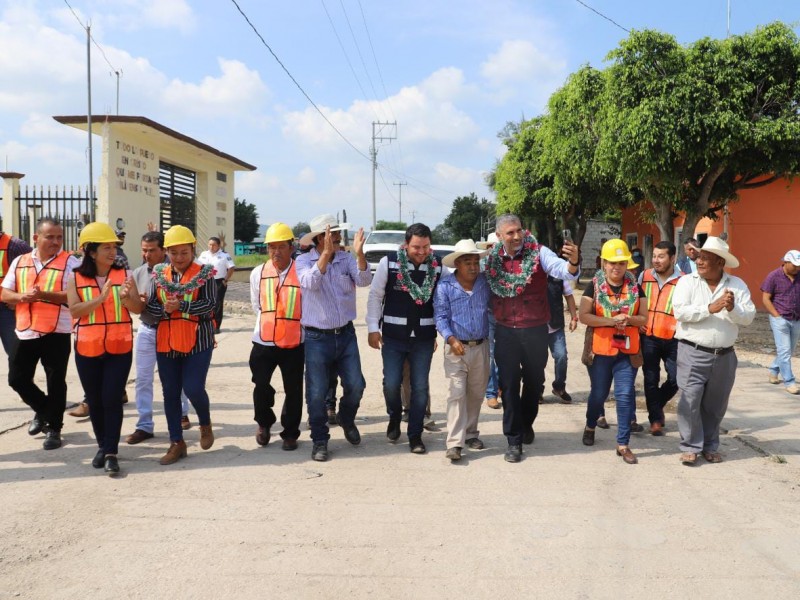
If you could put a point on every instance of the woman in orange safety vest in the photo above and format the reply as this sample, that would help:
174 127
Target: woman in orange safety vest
101 295
182 295
611 305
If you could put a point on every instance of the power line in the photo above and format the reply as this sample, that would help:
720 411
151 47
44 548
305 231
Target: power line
99 47
609 19
299 87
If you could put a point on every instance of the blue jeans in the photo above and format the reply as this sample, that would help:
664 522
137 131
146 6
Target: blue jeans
187 373
328 353
419 354
491 385
654 350
557 341
602 372
786 334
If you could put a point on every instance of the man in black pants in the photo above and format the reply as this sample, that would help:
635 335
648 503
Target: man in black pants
35 286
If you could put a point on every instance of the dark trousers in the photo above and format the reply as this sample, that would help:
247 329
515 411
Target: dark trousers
7 334
221 289
103 379
655 350
53 351
263 362
521 356
187 373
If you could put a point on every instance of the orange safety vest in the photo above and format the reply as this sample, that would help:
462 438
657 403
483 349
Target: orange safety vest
281 307
661 321
177 331
5 240
603 336
109 327
41 316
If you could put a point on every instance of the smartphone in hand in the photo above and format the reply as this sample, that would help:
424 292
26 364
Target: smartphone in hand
566 234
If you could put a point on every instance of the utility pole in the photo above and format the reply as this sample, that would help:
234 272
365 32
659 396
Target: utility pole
379 136
413 216
89 114
400 185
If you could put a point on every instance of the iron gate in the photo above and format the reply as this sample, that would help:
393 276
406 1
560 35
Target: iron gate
177 192
73 209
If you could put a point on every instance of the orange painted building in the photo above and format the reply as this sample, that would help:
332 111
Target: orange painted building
762 225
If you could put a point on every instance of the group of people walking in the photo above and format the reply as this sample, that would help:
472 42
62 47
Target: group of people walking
305 306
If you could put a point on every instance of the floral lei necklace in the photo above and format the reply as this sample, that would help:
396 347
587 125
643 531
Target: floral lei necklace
604 291
505 284
180 289
420 294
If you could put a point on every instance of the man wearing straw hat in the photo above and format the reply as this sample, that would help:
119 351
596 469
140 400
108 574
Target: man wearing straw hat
461 313
328 279
709 306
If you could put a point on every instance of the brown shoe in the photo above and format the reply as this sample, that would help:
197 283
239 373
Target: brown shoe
289 444
177 451
82 410
689 458
206 437
656 429
493 403
712 457
626 454
602 423
186 423
138 436
262 436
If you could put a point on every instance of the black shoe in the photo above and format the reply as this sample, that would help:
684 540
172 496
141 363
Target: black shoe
588 437
563 396
513 454
393 431
351 433
52 440
475 444
320 451
416 446
602 423
289 444
36 426
528 437
111 465
636 428
99 459
332 420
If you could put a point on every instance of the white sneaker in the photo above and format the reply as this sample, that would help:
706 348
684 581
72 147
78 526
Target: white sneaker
793 389
774 379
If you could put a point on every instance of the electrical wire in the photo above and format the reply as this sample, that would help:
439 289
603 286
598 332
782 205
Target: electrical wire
91 37
609 19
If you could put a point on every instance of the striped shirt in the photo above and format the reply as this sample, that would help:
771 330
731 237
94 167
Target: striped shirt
202 307
460 313
329 299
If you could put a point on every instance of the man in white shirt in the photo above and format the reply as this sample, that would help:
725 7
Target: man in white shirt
709 306
225 267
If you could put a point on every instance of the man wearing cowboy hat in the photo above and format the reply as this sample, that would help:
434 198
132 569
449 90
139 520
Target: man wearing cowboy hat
401 325
492 392
709 306
328 279
461 311
781 297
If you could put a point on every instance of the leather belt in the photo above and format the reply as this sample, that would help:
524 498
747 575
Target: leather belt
471 342
336 331
714 351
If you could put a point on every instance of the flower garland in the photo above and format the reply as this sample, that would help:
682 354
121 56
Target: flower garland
179 289
420 294
505 284
603 292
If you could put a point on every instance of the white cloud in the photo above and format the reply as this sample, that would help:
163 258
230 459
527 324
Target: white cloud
236 89
307 175
521 69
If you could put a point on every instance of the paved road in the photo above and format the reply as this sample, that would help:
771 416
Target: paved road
242 521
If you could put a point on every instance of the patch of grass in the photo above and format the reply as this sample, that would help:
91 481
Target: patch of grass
778 459
250 260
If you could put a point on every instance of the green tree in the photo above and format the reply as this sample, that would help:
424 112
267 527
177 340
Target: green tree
300 229
691 126
441 234
245 220
390 225
468 217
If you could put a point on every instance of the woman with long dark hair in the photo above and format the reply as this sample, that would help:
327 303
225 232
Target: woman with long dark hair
101 295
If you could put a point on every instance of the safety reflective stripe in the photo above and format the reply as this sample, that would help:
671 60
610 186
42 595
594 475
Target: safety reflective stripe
427 322
87 296
270 299
50 281
395 320
22 280
117 304
2 264
292 305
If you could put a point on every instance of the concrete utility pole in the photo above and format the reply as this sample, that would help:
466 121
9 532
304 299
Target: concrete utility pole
379 136
89 115
400 185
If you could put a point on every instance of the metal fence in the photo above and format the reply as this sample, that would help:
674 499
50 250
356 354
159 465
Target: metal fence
73 208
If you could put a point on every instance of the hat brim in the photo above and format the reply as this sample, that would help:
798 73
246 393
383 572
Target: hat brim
484 245
630 265
730 260
308 238
449 260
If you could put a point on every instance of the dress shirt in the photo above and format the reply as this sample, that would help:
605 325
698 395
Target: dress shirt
695 324
460 313
329 299
64 317
220 260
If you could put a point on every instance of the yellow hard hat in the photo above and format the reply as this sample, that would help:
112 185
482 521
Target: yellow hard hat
98 233
617 251
279 232
177 235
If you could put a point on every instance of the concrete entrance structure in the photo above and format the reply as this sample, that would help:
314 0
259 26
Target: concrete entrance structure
136 151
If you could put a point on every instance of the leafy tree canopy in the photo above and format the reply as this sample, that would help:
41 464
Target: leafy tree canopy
396 225
245 220
300 229
468 217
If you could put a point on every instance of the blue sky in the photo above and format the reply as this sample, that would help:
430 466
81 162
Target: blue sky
451 73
